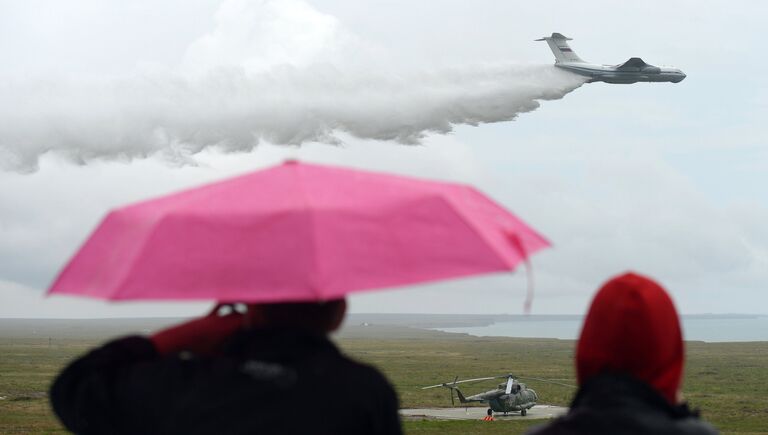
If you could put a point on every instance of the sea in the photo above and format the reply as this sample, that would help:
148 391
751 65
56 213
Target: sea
708 328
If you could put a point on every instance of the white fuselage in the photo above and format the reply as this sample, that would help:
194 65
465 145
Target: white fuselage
612 74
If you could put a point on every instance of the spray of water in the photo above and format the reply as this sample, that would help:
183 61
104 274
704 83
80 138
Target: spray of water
233 110
233 93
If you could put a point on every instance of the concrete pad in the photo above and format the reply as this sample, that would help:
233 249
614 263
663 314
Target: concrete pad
477 413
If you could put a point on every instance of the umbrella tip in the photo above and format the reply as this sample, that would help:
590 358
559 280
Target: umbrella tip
291 162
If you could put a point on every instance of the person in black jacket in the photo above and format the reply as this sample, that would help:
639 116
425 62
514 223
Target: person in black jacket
629 365
270 371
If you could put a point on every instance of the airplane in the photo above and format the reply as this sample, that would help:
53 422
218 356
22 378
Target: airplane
632 71
509 396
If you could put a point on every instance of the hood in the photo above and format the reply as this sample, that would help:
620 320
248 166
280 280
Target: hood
632 328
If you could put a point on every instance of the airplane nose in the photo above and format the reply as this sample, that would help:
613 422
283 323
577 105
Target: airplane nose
681 76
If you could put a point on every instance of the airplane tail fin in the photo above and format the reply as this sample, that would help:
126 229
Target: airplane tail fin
559 46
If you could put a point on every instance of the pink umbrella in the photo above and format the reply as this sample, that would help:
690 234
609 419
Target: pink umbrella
296 232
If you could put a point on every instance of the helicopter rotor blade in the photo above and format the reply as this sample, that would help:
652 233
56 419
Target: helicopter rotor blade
448 384
476 379
510 381
548 381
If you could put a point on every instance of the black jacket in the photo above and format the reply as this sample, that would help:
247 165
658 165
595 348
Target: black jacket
616 404
268 382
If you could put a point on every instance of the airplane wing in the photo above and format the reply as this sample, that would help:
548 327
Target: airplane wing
633 64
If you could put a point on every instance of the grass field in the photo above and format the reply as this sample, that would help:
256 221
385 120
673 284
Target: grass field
728 381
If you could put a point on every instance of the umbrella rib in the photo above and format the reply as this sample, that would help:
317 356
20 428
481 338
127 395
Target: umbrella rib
313 271
137 255
471 224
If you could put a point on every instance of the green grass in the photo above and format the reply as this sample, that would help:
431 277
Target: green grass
728 381
27 367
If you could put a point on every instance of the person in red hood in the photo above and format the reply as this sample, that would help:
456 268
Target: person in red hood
629 366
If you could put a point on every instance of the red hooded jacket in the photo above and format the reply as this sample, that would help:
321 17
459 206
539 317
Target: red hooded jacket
633 328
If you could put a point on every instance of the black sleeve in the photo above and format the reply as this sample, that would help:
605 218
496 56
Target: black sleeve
390 418
83 394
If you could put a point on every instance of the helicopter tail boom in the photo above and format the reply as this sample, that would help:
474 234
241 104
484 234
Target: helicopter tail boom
462 399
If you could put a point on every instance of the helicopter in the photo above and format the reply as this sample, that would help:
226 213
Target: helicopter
509 396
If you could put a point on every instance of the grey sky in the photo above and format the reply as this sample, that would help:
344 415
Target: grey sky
669 180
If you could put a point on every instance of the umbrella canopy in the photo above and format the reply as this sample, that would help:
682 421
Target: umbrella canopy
296 232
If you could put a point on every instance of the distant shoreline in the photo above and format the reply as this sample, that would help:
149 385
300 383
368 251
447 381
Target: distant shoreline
707 328
103 328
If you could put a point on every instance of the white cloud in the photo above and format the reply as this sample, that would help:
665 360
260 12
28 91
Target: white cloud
257 35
